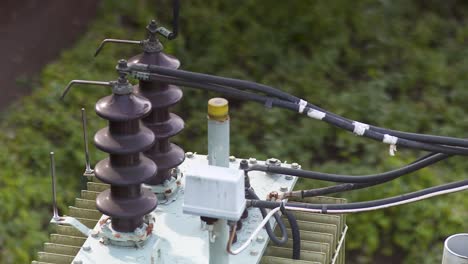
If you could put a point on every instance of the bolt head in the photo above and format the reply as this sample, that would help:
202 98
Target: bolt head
284 189
253 252
95 234
273 161
289 177
295 165
77 261
87 248
260 239
252 160
189 155
232 158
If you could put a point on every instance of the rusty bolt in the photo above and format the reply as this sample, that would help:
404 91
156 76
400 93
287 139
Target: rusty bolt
273 195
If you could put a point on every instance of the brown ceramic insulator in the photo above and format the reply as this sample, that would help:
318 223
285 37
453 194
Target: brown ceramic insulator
126 168
161 121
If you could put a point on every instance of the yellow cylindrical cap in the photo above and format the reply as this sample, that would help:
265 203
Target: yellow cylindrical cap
218 107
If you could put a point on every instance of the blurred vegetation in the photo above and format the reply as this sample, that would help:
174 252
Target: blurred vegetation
399 64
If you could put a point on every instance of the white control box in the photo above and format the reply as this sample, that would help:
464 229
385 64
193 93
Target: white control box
215 192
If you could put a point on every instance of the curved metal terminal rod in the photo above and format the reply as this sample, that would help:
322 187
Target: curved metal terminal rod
124 41
70 84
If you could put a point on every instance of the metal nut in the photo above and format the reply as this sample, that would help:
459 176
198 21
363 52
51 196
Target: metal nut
232 158
260 239
295 166
189 155
273 161
284 188
252 160
87 248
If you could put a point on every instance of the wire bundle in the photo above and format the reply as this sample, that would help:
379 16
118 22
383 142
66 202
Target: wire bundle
441 147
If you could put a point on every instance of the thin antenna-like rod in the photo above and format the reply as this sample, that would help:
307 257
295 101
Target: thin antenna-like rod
54 189
88 170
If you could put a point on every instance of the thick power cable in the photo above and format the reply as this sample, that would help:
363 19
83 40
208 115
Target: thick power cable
296 234
243 84
380 177
368 205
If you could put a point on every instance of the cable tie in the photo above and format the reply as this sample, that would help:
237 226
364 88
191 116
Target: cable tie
315 114
388 139
324 208
302 106
360 128
269 103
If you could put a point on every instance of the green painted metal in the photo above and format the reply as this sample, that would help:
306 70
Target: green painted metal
54 258
65 244
61 249
320 235
67 240
305 255
276 260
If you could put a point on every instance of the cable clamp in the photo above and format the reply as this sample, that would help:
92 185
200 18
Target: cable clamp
360 128
324 208
302 106
315 114
392 141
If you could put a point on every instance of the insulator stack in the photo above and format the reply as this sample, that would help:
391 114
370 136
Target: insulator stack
162 96
126 168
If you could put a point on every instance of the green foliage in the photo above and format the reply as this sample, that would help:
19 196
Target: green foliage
399 64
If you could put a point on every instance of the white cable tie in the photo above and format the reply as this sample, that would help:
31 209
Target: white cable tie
302 106
360 128
315 114
392 141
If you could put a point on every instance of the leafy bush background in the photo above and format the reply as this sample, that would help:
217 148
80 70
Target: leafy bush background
399 64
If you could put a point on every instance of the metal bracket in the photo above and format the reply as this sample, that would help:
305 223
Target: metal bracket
67 220
56 219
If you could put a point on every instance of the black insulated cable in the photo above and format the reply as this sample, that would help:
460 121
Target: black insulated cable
296 234
432 139
333 120
278 241
362 205
249 85
380 177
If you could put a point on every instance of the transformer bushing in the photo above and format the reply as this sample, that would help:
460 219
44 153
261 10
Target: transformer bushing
126 168
162 96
